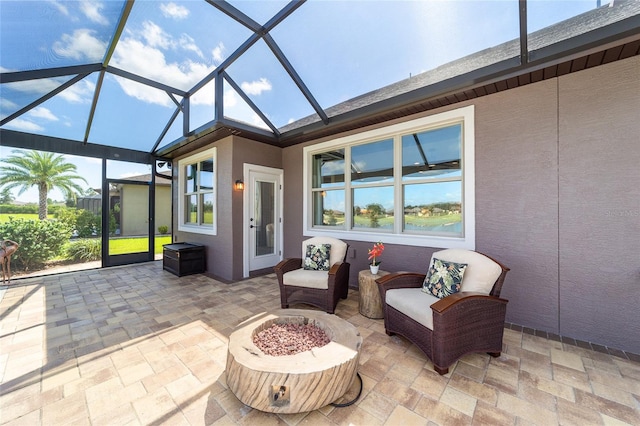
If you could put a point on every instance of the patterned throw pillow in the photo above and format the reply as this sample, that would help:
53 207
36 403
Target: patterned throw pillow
317 257
443 278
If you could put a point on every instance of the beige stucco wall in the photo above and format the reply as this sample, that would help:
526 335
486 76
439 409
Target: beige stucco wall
557 200
134 205
163 207
134 208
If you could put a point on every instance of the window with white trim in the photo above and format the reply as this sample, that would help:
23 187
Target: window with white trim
197 183
410 183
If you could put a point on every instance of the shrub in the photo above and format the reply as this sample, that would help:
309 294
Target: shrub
67 216
85 250
163 229
19 209
88 224
40 240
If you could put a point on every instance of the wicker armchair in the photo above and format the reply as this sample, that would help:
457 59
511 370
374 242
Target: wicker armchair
471 320
319 288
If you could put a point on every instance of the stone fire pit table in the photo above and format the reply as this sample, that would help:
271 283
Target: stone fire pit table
296 383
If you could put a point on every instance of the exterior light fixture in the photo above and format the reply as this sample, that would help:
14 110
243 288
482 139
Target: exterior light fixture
239 185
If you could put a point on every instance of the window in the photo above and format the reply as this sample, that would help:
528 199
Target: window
410 183
197 183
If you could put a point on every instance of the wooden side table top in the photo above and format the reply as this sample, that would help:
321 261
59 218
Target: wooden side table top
370 303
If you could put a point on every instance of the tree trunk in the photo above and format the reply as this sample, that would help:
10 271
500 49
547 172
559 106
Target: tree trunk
42 201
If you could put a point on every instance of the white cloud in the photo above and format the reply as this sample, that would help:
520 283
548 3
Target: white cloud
256 87
24 125
172 10
204 96
187 43
128 175
81 45
40 86
239 110
81 92
7 104
156 36
257 121
61 7
143 93
136 57
218 53
42 112
230 99
92 10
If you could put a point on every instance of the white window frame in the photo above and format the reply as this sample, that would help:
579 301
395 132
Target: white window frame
208 229
466 116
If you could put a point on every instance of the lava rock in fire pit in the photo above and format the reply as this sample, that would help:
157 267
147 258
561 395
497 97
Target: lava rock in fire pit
290 339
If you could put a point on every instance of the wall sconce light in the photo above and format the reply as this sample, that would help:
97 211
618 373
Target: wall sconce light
239 185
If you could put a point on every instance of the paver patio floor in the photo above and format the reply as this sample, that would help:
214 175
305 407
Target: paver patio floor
137 345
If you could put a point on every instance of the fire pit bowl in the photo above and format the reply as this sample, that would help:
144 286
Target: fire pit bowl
296 383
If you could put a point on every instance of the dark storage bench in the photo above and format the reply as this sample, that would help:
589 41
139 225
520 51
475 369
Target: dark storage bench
183 258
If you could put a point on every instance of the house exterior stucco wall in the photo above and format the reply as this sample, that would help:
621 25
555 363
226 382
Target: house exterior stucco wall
224 251
557 200
517 197
219 257
599 181
250 152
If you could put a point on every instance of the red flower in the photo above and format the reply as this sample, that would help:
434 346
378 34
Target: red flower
376 251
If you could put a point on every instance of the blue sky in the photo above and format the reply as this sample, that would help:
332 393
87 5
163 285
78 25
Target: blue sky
340 49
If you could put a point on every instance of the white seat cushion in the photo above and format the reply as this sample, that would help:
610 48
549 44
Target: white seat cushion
414 303
481 272
306 278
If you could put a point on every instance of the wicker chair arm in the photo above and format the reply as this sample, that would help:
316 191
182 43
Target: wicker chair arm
401 280
336 267
464 297
287 265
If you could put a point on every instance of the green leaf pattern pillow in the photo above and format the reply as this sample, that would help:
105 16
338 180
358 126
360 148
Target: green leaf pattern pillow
443 278
317 257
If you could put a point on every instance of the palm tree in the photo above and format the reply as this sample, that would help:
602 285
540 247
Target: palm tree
45 170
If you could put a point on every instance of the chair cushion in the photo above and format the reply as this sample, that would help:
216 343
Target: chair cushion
443 278
338 248
317 257
414 303
481 272
306 278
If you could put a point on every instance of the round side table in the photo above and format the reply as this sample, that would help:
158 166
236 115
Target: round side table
370 303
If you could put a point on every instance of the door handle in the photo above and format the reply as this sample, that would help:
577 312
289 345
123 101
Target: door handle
251 226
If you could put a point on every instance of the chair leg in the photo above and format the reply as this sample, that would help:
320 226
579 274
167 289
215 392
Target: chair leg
441 371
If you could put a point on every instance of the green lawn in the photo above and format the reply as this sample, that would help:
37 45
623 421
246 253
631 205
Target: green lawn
387 221
433 220
4 217
137 245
